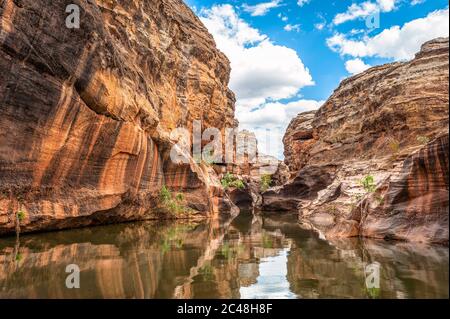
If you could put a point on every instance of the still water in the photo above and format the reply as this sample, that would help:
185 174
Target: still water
251 257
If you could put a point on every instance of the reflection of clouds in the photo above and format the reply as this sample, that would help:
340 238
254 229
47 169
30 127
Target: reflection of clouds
271 282
273 257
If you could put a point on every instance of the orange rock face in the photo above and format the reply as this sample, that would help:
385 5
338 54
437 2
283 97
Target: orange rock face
85 114
298 140
415 201
381 141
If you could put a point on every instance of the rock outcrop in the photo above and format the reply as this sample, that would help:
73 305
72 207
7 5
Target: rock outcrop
298 141
256 170
414 202
86 114
373 160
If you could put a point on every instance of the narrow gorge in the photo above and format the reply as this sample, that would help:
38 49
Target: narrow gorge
86 114
93 118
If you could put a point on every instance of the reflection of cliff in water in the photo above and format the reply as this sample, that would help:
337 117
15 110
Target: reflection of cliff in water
317 268
237 263
321 269
249 257
144 260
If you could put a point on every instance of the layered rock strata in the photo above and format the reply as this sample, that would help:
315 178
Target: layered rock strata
257 171
86 114
373 160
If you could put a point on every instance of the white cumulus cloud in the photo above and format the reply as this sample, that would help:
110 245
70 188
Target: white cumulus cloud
416 2
398 43
276 113
261 9
292 27
283 17
263 73
356 66
261 70
319 26
270 122
363 10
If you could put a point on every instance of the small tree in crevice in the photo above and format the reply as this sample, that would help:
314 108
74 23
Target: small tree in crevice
266 182
368 183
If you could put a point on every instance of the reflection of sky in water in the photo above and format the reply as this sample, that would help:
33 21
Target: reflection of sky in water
271 282
187 260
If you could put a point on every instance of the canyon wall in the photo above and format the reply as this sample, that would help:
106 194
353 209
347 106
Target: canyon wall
373 160
86 114
256 170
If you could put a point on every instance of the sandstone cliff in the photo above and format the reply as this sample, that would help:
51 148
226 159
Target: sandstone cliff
373 160
85 114
257 171
298 140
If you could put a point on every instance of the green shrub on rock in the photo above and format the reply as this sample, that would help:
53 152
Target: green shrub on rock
231 181
21 215
173 204
266 182
368 183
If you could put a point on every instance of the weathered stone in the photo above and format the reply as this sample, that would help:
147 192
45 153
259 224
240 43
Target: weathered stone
251 166
390 123
415 201
86 114
305 186
297 140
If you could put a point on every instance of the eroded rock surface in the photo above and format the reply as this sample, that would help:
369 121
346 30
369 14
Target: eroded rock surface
389 124
257 171
414 202
85 114
298 140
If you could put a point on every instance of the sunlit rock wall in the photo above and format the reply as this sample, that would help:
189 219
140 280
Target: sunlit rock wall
85 114
389 123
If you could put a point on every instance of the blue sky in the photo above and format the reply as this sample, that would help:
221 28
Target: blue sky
289 55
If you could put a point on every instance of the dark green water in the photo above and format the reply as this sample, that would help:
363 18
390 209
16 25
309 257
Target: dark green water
251 257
